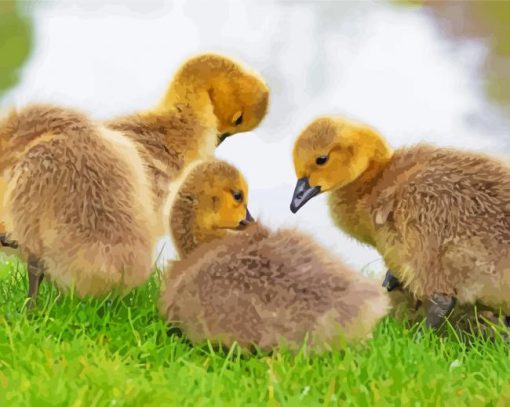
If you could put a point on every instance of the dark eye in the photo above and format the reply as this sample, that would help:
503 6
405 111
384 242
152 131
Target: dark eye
238 196
239 120
321 160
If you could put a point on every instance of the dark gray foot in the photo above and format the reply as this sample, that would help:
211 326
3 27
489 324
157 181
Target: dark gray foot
390 282
438 309
175 331
6 242
35 277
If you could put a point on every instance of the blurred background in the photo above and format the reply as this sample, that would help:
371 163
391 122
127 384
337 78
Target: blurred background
417 71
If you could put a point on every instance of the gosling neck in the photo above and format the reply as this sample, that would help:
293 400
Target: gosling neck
375 168
187 229
381 156
193 92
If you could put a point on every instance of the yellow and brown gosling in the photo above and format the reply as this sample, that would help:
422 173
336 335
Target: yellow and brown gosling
83 198
253 286
440 217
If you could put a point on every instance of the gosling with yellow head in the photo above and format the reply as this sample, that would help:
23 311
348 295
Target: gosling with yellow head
239 282
440 217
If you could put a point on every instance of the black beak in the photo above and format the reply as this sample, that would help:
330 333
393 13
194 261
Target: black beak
390 282
222 137
247 220
302 194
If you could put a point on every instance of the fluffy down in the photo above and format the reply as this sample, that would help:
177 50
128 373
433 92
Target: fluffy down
76 199
440 217
266 289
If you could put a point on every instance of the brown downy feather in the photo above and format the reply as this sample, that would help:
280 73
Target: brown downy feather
77 199
445 224
263 288
166 144
440 217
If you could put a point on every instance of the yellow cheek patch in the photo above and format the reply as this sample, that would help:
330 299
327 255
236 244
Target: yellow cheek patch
209 220
230 212
230 217
324 178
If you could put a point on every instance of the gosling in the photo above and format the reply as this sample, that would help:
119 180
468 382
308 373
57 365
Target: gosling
240 283
440 217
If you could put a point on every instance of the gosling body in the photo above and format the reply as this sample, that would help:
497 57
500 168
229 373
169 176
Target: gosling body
77 200
441 220
440 217
263 288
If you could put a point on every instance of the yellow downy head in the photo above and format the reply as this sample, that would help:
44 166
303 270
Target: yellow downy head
223 93
212 200
331 153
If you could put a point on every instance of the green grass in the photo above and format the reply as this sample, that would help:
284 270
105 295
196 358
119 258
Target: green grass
117 352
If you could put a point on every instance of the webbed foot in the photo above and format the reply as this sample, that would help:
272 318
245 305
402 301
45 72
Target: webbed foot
438 309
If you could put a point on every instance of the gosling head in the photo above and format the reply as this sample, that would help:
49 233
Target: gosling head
239 97
211 202
331 153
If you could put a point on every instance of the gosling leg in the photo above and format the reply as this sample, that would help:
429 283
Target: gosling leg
35 277
438 309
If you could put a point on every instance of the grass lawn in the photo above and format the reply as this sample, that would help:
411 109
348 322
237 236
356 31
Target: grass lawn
117 352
